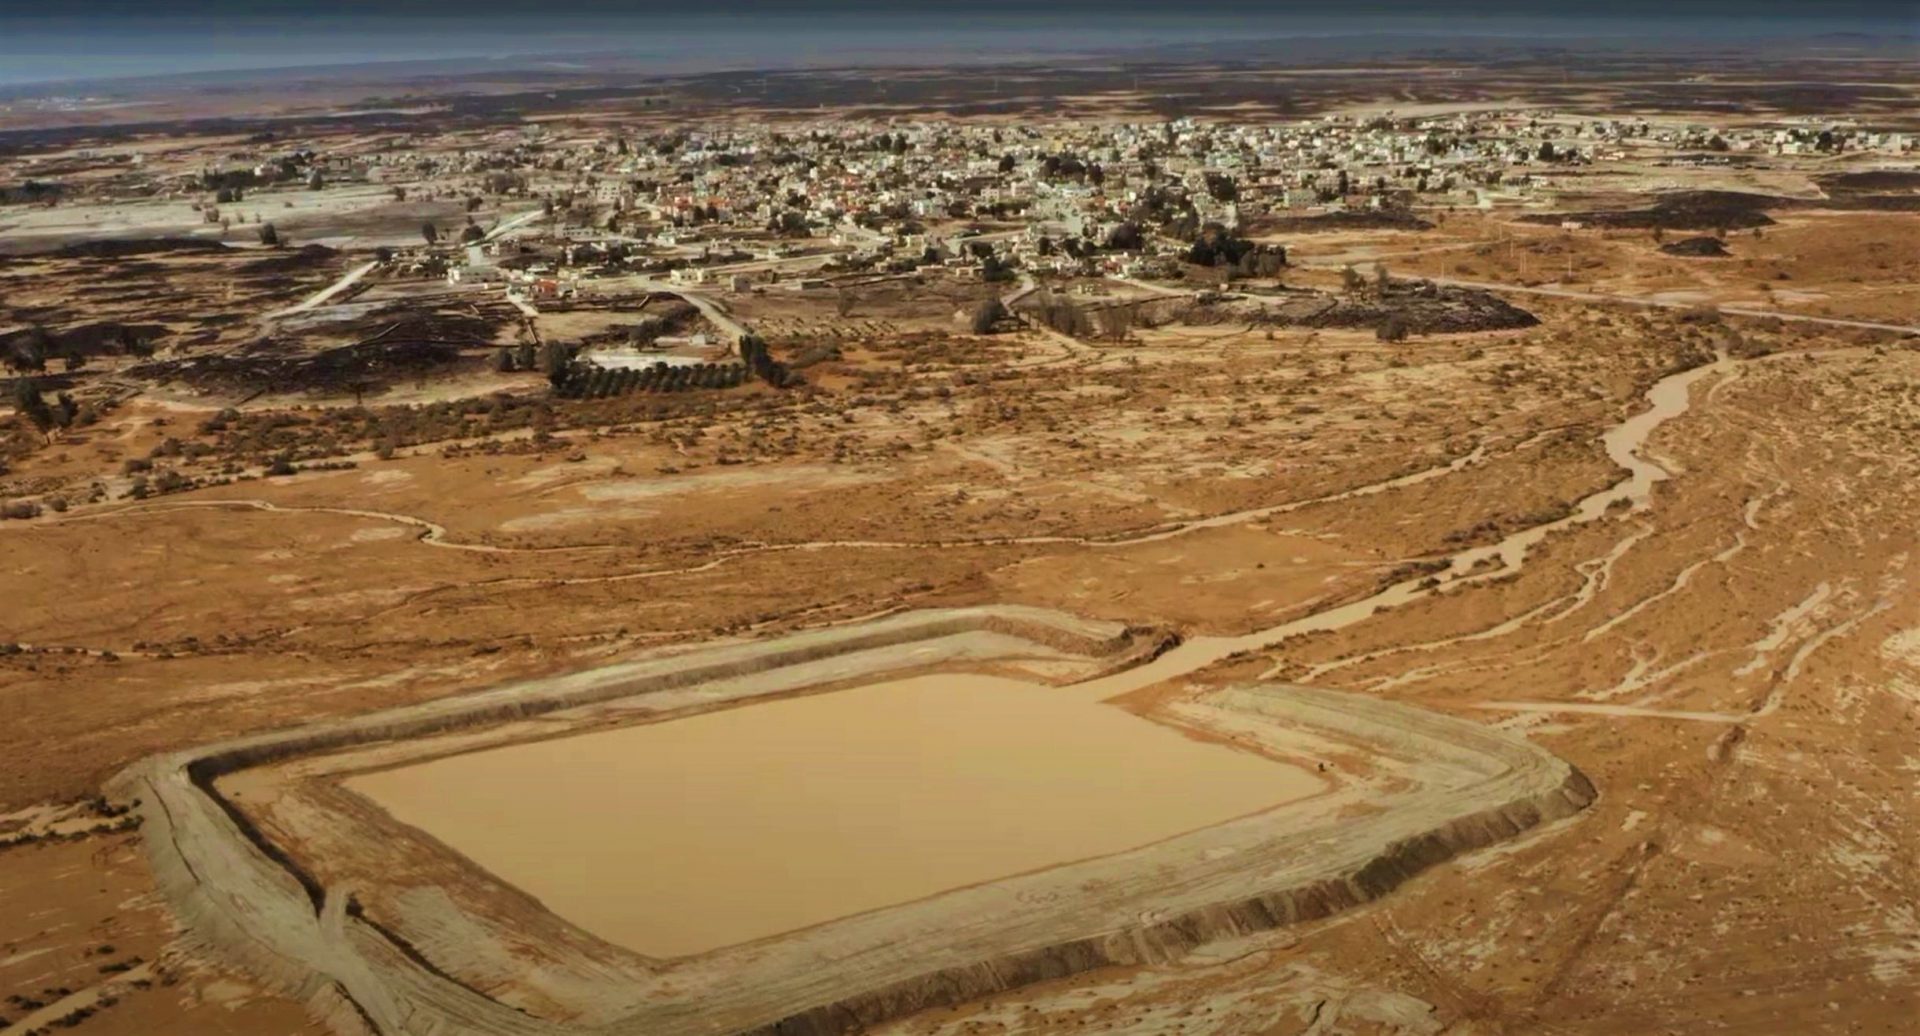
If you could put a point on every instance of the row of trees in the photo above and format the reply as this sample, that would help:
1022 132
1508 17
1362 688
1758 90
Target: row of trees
1111 322
588 382
574 380
1065 316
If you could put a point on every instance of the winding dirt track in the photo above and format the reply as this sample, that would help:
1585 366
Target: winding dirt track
347 280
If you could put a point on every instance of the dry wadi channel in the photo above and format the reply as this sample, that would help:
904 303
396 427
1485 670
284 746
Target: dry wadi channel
633 848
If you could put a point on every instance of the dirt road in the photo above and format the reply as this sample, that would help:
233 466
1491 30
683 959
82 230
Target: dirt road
318 298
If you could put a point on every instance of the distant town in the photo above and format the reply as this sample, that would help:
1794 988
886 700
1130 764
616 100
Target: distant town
758 207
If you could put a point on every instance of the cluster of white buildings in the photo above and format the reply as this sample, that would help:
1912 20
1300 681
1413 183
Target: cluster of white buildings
732 205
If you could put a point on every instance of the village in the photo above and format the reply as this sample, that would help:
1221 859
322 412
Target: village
548 211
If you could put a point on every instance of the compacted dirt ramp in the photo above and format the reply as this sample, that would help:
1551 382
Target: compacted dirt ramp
380 929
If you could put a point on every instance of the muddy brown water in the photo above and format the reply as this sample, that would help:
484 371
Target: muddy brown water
678 837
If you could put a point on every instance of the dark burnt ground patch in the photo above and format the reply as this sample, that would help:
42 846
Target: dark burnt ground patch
1697 248
1680 210
385 349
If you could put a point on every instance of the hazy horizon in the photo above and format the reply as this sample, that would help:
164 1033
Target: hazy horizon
117 40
